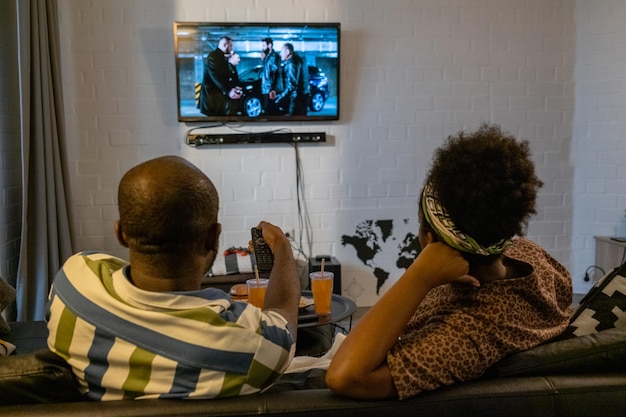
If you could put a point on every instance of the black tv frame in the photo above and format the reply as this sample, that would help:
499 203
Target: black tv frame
317 43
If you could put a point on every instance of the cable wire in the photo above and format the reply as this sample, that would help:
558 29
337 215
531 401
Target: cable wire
588 277
304 221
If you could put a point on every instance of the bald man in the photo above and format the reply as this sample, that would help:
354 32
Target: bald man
145 328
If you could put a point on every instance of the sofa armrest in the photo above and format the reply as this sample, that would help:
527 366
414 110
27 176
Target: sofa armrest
600 352
40 377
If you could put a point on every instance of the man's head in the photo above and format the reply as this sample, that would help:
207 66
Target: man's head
168 209
267 44
225 44
286 51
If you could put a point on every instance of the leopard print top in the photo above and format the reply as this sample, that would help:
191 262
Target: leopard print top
459 331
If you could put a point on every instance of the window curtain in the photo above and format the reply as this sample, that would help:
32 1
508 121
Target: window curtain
45 238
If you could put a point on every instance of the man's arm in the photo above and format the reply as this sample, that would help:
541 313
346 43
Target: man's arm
283 291
217 69
290 80
274 64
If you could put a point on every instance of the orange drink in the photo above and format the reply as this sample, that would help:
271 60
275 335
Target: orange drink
322 287
256 291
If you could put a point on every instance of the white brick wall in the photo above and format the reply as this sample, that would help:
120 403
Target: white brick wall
599 145
412 72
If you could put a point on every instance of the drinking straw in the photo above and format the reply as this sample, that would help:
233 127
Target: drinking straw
256 274
323 267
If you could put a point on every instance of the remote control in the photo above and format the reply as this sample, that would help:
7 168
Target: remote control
262 252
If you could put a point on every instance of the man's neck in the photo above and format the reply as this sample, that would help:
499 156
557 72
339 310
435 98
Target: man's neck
161 276
162 284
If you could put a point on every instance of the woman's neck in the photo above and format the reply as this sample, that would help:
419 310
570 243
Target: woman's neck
499 269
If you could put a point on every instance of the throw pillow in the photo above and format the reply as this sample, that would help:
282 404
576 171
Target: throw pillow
6 348
36 377
604 307
593 353
7 295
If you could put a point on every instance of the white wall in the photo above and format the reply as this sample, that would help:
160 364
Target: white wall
412 72
599 145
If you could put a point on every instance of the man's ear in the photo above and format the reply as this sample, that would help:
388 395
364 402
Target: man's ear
213 237
119 233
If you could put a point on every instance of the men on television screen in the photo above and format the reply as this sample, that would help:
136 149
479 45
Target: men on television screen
270 75
279 88
293 97
220 84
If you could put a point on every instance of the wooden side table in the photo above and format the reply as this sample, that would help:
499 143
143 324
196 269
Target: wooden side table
610 252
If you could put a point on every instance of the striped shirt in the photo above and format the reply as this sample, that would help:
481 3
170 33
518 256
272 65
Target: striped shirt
123 342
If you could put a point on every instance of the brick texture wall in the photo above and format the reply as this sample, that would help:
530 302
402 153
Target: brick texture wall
412 72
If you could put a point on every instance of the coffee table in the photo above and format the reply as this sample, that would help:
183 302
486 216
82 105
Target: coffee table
341 308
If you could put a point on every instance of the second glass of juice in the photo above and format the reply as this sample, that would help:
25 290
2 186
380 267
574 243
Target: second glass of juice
322 287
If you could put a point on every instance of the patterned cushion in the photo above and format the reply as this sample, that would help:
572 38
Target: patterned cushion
604 307
7 295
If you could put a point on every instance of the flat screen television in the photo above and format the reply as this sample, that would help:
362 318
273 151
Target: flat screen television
224 74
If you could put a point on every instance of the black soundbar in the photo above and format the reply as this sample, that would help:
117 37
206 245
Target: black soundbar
203 139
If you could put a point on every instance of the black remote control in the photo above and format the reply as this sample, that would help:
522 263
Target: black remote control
262 252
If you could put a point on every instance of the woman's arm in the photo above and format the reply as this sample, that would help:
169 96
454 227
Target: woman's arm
359 368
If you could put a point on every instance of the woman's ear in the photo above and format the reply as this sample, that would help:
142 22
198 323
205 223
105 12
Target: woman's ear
431 237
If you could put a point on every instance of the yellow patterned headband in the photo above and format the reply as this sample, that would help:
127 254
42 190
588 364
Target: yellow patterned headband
438 218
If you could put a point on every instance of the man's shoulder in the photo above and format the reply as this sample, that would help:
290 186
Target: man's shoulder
95 256
94 261
297 58
216 55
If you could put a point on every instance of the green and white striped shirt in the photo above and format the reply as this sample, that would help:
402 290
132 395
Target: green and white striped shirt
124 342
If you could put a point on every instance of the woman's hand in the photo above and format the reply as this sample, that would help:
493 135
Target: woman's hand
440 264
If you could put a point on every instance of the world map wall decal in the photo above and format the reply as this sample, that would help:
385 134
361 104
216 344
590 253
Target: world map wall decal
375 248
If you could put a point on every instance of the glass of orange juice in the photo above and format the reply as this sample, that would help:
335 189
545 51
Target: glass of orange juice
322 287
256 291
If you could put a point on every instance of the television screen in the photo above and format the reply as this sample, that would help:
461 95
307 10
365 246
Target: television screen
249 72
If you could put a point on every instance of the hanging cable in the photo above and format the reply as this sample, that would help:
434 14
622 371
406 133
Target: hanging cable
588 275
304 221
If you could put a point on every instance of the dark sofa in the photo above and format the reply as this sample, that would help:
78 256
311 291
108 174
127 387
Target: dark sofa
584 376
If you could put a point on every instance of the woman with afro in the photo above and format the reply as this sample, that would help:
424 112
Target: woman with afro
477 292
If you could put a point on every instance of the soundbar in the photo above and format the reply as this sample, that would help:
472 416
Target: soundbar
203 139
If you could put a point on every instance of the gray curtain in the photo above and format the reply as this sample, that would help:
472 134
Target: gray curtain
45 238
